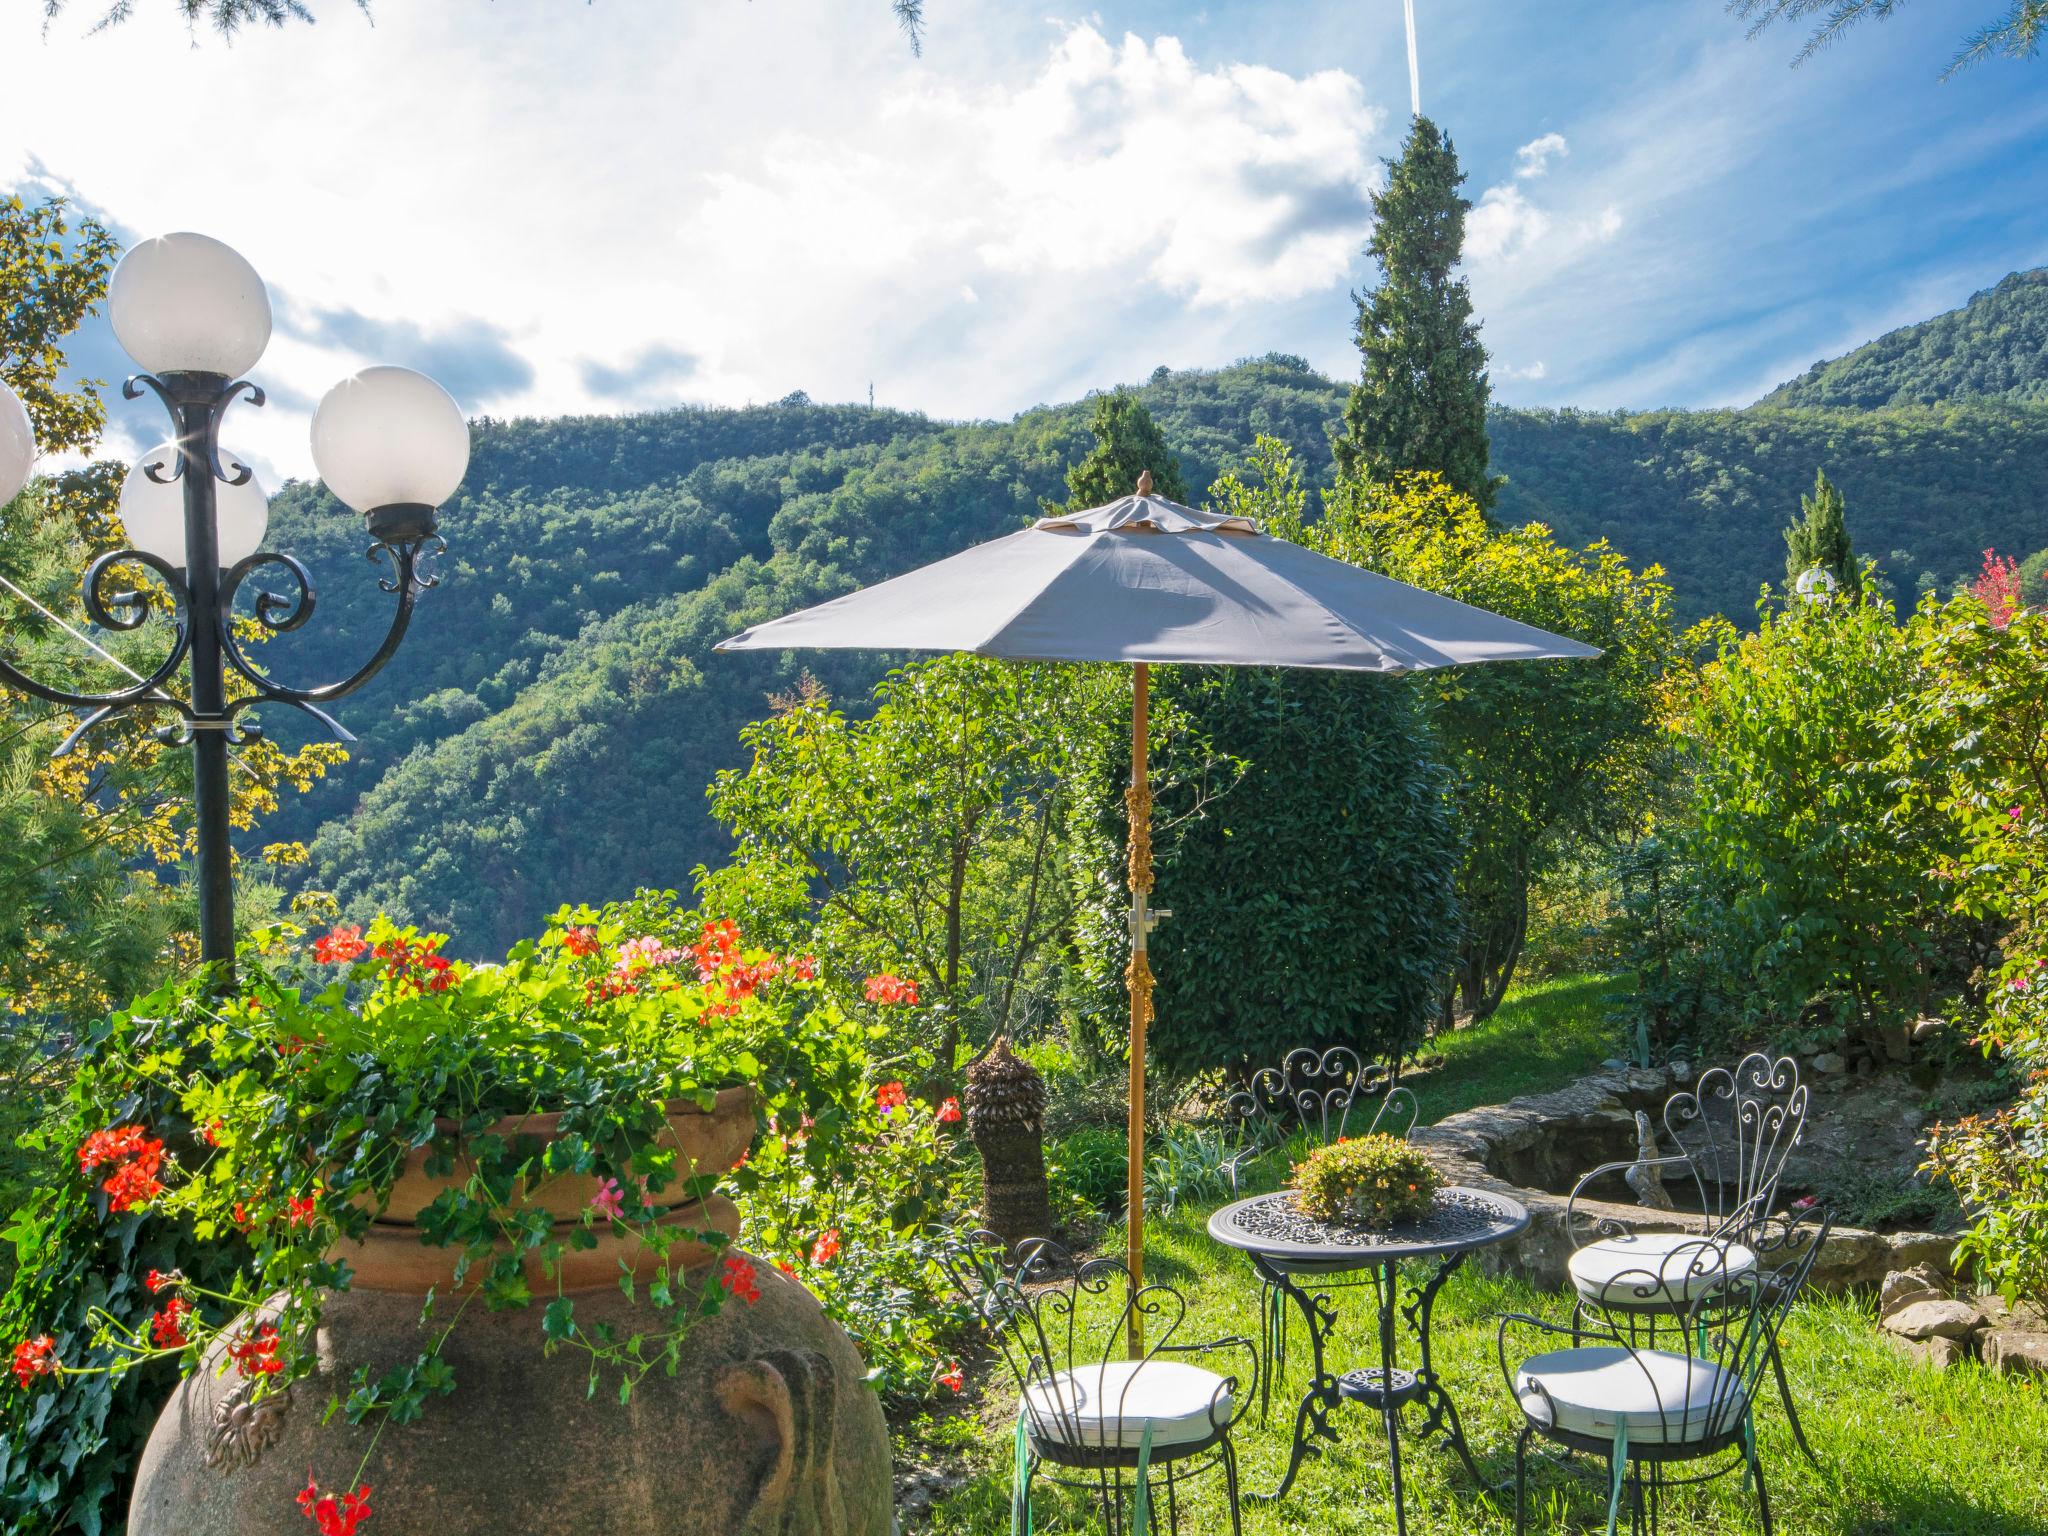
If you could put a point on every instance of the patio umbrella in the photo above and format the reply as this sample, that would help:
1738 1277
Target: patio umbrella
1147 580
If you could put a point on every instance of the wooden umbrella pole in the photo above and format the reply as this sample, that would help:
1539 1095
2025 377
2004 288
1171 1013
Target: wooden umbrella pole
1138 805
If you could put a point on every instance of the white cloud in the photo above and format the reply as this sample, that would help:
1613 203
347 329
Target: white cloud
1513 374
1503 224
1534 157
595 200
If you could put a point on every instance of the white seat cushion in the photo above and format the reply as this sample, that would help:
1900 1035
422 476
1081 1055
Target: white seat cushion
1110 1405
1657 1270
1666 1398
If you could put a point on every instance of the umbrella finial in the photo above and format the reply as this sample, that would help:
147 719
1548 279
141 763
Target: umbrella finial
1144 482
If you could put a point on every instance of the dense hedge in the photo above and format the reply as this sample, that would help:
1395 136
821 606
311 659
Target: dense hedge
1312 897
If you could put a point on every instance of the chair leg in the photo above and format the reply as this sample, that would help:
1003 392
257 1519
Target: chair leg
1791 1412
1230 1487
1763 1495
1521 1477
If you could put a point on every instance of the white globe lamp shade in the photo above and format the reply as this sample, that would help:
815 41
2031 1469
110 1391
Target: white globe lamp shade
1816 585
154 513
388 438
186 303
17 444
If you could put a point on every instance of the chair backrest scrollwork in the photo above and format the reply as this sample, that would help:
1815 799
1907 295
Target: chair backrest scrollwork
1737 1128
1317 1091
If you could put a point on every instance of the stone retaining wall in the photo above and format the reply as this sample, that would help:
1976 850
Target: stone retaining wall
1468 1146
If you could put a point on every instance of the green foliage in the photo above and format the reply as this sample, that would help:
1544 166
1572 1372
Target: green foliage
290 1108
1304 847
1819 541
1091 1166
1815 836
52 276
1128 443
1372 1180
557 710
2014 35
1982 712
925 835
1185 1165
1546 755
1420 403
1704 493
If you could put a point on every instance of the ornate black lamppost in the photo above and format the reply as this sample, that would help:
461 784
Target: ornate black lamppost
389 442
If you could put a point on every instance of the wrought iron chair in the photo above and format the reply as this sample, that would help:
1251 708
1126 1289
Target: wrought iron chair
1647 1390
1312 1091
1734 1131
1087 1417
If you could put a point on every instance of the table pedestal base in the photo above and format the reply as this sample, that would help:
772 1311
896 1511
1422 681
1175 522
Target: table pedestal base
1387 1388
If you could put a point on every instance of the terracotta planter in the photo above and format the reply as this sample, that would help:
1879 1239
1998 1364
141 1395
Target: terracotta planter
766 1428
709 1141
392 1257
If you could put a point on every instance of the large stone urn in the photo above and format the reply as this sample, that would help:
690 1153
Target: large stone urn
767 1427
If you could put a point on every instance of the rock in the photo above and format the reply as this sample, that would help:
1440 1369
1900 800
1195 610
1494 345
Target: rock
1904 1286
1615 1064
2020 1317
2011 1352
1925 1030
1922 1250
1681 1071
1938 1354
1829 1064
1934 1319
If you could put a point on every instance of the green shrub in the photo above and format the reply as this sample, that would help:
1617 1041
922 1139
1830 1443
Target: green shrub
1370 1180
1091 1166
1185 1167
1312 898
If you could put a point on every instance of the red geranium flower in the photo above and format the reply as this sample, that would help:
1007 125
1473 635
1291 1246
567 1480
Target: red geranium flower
167 1328
157 1280
331 1515
301 1210
255 1354
889 988
341 946
135 1158
805 967
891 1097
951 1377
739 1281
949 1111
826 1248
35 1357
580 941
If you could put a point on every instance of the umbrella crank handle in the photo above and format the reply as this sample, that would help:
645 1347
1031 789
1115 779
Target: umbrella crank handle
1144 919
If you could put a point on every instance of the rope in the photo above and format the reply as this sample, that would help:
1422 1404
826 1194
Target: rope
1138 805
1138 981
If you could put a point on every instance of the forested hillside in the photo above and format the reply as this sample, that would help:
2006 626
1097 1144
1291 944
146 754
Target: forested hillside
550 725
1994 348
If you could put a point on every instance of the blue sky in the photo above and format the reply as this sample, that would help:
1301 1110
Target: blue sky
562 207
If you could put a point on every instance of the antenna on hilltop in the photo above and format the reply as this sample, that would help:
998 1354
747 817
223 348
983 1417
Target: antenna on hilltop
1414 69
871 394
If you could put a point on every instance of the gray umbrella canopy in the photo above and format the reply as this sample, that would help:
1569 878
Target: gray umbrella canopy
1141 580
1145 579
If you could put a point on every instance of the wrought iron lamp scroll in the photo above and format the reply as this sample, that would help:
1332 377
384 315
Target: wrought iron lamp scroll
389 442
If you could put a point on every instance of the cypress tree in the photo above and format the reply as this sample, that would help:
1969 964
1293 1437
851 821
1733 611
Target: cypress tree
1420 402
1127 442
1820 539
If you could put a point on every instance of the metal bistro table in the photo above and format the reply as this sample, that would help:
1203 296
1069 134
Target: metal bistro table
1290 1249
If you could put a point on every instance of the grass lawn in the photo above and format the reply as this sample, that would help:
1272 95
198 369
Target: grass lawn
1910 1451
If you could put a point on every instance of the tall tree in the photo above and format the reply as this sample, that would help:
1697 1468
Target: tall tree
1420 402
1127 443
1819 540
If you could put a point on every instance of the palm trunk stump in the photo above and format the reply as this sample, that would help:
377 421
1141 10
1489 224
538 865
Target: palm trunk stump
1006 1118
